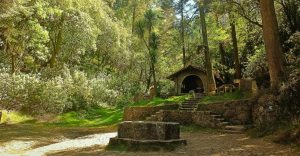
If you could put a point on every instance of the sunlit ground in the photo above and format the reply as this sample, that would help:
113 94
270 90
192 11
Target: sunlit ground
22 147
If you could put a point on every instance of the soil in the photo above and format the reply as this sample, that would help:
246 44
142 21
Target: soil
203 144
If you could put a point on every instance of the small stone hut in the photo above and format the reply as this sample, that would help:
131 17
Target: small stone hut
188 79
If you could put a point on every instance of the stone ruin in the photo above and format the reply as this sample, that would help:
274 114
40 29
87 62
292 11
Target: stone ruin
145 135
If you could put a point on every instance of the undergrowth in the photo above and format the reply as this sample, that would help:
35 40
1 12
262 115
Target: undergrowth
237 95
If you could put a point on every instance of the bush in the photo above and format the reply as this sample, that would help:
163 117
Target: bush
35 95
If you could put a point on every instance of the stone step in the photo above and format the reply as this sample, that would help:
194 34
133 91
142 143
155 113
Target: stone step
232 132
189 106
194 108
207 112
187 109
223 124
235 128
190 103
220 119
216 116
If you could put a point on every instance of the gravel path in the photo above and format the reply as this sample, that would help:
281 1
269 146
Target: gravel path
204 144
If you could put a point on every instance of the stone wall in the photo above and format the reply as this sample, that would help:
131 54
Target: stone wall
266 111
140 113
201 118
236 112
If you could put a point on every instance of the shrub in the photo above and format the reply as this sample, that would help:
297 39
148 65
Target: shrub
35 95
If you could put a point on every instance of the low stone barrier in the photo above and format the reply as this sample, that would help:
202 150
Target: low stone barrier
141 135
201 118
140 113
236 112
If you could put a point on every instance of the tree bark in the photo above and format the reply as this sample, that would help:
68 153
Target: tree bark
57 43
272 42
182 34
56 49
237 65
222 53
211 84
152 63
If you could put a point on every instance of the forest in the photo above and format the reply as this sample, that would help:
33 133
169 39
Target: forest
71 60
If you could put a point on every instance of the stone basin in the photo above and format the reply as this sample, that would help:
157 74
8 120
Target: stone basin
148 134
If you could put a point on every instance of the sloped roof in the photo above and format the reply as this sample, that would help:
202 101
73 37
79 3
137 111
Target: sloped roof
188 68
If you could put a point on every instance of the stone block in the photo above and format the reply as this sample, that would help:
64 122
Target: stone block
142 130
140 113
142 135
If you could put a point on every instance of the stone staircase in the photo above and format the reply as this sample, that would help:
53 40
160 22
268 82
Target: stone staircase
234 129
191 105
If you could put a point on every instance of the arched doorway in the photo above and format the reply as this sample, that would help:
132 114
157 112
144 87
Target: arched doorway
190 83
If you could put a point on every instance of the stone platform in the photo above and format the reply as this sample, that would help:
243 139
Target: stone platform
145 135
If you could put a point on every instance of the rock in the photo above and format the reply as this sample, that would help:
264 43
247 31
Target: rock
142 135
142 130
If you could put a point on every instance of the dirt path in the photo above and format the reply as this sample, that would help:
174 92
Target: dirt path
30 140
204 144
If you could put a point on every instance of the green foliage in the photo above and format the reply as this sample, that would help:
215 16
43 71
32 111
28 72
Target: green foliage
92 117
14 117
103 52
100 116
34 95
237 95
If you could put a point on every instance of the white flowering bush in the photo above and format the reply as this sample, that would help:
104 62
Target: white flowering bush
32 94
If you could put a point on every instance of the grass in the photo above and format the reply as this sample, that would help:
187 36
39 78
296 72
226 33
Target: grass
107 116
237 95
100 117
15 117
91 118
159 101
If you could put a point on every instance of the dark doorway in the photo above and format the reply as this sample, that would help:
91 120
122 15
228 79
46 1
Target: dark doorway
190 83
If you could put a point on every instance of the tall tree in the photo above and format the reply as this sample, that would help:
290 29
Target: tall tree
272 42
145 27
211 84
237 65
182 30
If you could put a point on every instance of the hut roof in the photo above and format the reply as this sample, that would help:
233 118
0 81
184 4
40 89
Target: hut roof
188 68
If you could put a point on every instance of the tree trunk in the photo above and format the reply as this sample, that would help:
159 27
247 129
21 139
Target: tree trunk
272 42
237 65
182 35
154 80
56 49
211 84
152 64
57 43
222 53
